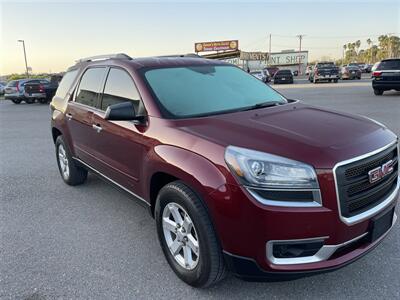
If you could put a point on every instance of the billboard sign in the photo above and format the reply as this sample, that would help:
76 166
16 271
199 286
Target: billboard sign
260 56
216 46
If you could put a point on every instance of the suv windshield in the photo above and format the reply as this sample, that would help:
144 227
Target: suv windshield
389 65
194 91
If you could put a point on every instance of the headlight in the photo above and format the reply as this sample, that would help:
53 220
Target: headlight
262 169
274 179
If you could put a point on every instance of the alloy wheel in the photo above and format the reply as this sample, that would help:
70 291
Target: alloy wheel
181 236
63 161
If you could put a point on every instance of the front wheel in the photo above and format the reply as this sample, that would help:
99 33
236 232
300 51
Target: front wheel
71 173
187 236
378 92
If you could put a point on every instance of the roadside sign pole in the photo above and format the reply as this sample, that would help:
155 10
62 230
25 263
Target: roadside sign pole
26 63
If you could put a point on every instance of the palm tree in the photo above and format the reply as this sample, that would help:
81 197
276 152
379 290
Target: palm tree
369 51
344 52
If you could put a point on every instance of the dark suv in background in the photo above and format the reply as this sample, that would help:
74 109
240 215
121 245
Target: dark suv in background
386 76
236 176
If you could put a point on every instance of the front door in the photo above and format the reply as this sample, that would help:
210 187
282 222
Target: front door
120 145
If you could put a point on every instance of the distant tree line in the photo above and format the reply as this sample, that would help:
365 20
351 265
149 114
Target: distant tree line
387 47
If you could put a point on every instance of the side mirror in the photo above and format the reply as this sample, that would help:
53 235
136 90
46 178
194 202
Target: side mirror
124 111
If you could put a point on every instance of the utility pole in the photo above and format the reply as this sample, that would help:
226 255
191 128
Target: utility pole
269 55
26 63
300 36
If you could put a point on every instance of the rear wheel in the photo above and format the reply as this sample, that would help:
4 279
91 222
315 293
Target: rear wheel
378 92
16 101
71 173
187 236
43 100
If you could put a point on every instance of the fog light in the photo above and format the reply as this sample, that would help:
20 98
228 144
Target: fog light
296 249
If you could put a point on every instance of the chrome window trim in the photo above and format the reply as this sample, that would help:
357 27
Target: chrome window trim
316 202
374 210
323 254
112 181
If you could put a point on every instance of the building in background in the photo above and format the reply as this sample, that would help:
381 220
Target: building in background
288 59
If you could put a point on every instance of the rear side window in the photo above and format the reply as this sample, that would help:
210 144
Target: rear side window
66 83
119 88
284 72
90 86
389 65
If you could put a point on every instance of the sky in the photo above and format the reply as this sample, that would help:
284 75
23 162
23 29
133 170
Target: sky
57 33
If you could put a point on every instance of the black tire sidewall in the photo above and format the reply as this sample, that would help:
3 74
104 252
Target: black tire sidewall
60 141
199 275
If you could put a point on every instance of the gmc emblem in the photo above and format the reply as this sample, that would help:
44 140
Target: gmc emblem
380 172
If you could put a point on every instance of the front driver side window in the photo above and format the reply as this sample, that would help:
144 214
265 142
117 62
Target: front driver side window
120 88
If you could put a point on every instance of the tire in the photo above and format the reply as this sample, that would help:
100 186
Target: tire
378 92
16 101
29 100
43 101
329 80
208 267
76 175
335 80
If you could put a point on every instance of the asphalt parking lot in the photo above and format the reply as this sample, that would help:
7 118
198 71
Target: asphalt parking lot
93 241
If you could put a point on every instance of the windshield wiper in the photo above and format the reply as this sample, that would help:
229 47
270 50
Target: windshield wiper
263 105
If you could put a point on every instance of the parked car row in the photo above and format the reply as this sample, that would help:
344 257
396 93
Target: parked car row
31 90
279 76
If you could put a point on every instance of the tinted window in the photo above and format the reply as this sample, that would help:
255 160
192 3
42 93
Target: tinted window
89 87
325 65
66 83
204 90
284 72
119 88
389 65
12 83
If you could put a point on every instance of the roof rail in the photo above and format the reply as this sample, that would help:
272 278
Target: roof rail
194 55
105 56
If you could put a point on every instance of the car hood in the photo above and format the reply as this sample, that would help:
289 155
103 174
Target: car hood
298 131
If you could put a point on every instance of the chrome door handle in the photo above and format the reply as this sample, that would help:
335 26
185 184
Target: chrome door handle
69 116
97 128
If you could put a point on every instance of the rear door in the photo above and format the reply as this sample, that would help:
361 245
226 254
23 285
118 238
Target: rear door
79 113
120 145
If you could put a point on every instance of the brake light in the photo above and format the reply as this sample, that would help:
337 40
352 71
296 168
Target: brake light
376 73
17 86
41 88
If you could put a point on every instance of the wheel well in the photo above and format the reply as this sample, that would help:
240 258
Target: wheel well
158 180
55 133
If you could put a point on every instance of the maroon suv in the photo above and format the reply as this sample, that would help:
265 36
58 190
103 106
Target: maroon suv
237 176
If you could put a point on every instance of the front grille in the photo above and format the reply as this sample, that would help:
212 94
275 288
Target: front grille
356 194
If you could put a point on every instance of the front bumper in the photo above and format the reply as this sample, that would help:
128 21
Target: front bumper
248 269
246 229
